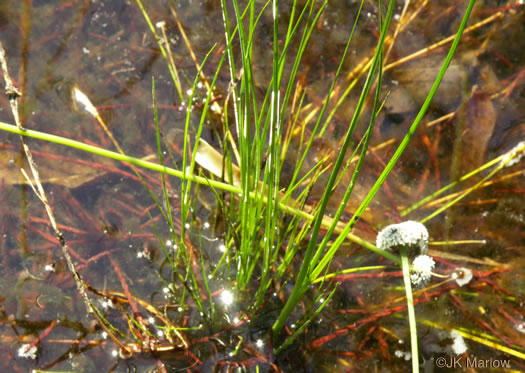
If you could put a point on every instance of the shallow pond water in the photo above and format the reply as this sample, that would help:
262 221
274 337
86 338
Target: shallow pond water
113 226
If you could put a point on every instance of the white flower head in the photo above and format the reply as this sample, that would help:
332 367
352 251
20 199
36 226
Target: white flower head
422 270
28 353
409 233
458 343
403 354
462 276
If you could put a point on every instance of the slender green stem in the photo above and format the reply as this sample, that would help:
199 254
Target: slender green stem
116 156
463 195
410 307
404 143
451 185
171 67
302 282
179 174
345 272
327 257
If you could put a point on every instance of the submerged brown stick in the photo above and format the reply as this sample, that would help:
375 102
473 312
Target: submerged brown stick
13 94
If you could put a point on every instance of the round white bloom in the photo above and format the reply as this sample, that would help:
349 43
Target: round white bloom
403 354
422 268
462 276
458 345
30 353
408 233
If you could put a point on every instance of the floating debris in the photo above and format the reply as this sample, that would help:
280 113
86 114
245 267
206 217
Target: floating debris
83 102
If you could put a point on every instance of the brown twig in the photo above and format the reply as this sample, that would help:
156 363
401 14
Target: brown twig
13 94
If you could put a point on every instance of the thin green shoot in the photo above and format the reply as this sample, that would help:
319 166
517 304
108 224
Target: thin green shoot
173 172
327 257
325 104
346 272
168 216
302 281
467 191
410 307
404 143
429 198
186 184
171 66
304 324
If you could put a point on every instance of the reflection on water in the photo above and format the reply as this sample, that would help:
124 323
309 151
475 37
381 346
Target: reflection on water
106 49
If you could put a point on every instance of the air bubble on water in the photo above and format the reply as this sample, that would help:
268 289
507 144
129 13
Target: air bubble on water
227 298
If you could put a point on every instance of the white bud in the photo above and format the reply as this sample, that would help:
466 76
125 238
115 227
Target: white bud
422 270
